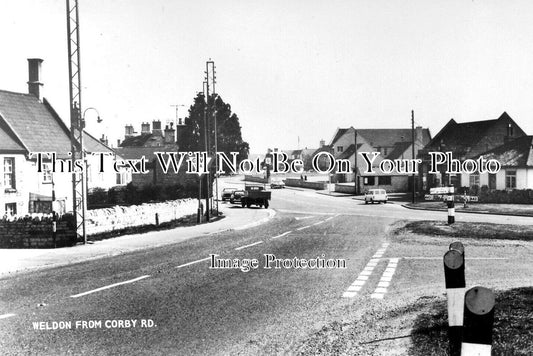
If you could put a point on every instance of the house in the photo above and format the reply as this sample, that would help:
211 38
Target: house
29 124
516 159
135 146
390 143
467 140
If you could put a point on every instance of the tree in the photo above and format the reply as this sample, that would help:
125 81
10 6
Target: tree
229 137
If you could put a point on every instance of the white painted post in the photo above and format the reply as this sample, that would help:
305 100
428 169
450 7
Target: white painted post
454 275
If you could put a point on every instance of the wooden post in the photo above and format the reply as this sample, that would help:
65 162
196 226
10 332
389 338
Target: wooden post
454 275
478 321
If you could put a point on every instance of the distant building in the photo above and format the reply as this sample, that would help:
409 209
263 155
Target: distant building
29 124
390 143
468 140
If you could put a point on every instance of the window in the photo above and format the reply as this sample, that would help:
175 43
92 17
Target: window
340 148
510 179
369 180
384 180
121 178
492 181
9 173
47 173
474 179
11 209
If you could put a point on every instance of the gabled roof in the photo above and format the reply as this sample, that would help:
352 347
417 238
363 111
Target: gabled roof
398 149
27 123
340 132
461 137
515 153
347 153
385 137
136 141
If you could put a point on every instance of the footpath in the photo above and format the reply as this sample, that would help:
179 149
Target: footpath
19 260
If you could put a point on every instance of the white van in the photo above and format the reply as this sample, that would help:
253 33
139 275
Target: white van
376 195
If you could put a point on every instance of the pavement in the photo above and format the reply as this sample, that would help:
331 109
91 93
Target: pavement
21 260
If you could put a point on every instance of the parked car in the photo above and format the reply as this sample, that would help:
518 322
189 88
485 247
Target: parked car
255 195
277 184
236 196
227 192
376 195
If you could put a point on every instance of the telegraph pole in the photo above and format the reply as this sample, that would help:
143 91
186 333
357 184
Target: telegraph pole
211 78
355 160
79 187
413 149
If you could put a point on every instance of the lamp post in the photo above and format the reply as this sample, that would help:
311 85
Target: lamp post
85 179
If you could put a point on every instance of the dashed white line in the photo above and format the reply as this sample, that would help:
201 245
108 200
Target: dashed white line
284 234
319 222
4 316
109 286
250 245
386 277
193 262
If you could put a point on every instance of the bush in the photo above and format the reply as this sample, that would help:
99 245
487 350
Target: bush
515 196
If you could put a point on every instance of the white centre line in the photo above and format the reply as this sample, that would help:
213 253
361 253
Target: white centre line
319 222
4 316
303 227
250 245
193 262
284 234
109 286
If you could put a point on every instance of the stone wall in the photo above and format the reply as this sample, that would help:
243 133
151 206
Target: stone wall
293 182
35 231
348 188
256 179
121 217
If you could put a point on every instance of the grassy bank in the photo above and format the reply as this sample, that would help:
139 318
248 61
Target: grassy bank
468 230
504 209
420 329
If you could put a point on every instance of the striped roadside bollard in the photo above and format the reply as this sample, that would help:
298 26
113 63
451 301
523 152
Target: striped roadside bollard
451 209
454 275
478 320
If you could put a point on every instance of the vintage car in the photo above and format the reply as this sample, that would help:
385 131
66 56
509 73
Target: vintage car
277 184
376 195
236 196
227 192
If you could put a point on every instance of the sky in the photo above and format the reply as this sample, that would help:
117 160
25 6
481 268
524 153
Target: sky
293 70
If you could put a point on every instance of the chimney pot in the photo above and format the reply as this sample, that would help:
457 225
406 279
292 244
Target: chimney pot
34 77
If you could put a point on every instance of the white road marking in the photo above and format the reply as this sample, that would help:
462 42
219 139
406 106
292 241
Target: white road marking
193 262
284 234
319 222
109 286
303 217
467 258
250 245
386 277
303 227
4 316
363 276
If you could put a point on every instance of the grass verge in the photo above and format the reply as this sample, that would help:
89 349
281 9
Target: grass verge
468 230
420 329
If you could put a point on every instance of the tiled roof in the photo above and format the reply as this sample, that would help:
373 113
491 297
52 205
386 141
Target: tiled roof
384 137
8 140
398 149
338 135
515 153
36 126
136 141
347 153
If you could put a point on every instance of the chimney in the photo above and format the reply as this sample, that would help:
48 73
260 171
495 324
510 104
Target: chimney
118 142
145 128
34 77
322 143
104 140
170 134
156 128
129 131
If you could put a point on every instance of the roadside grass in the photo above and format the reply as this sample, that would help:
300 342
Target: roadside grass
420 328
505 209
468 230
